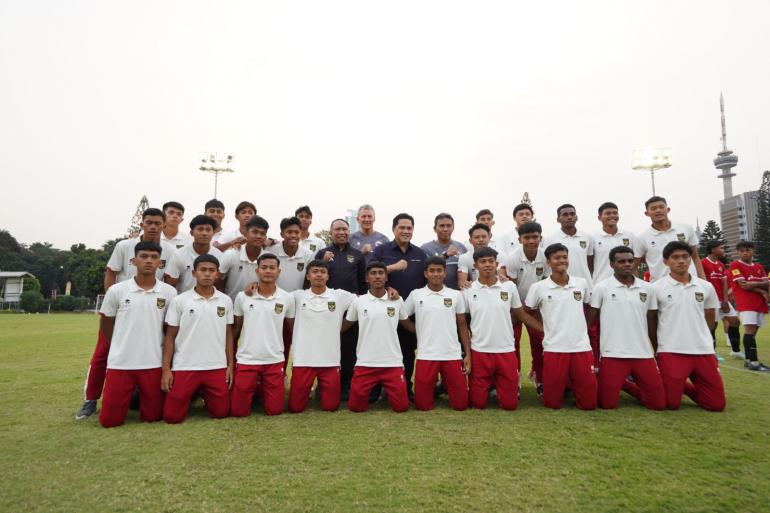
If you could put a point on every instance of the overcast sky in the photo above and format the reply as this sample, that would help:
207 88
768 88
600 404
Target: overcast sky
411 106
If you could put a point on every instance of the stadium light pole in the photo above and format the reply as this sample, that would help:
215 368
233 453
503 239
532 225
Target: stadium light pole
651 159
216 163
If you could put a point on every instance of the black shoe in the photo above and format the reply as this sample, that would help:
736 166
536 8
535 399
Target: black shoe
410 394
85 411
345 394
759 367
375 394
134 404
539 389
439 390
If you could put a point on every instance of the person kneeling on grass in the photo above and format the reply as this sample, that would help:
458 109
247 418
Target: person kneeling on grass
132 326
199 340
680 330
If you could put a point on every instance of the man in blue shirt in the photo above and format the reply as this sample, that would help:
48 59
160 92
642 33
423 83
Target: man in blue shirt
366 240
445 247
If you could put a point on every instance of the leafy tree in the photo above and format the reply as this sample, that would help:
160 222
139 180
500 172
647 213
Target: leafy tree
324 235
710 232
11 253
48 265
32 301
762 222
85 269
31 283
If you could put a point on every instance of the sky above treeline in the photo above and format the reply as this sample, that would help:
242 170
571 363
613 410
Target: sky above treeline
419 107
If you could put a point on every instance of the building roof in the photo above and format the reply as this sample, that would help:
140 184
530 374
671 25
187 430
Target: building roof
15 274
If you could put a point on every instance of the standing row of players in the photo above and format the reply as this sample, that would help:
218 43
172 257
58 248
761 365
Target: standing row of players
405 272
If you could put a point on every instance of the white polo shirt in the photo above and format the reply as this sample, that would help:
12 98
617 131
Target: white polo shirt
239 269
509 243
580 247
436 321
202 322
564 321
261 340
624 317
312 244
317 323
293 268
181 266
527 272
651 242
121 260
137 338
180 240
377 323
228 236
490 309
465 264
682 326
603 244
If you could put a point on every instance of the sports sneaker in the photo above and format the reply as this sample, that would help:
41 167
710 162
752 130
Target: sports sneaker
759 367
85 411
539 389
746 363
738 354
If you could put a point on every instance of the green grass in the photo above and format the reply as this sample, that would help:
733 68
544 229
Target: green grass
475 461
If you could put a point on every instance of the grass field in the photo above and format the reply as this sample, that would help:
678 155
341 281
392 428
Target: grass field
475 461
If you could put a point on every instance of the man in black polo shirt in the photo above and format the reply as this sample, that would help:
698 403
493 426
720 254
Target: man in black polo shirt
405 263
347 271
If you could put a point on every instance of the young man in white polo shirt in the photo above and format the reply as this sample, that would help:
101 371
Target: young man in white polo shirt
179 271
293 256
319 312
132 326
491 305
650 243
567 356
622 301
199 340
479 236
215 209
527 266
121 268
439 316
259 328
609 237
378 356
679 329
174 212
509 242
307 240
244 211
239 266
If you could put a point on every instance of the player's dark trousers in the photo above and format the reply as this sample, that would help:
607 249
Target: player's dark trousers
97 369
408 342
575 369
647 386
705 387
120 384
186 383
348 343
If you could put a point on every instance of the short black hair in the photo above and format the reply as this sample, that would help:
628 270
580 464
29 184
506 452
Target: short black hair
555 248
376 264
153 212
401 216
258 222
744 244
213 203
562 207
486 251
243 205
713 244
316 263
305 209
173 204
201 220
268 256
607 204
339 219
484 212
290 221
654 199
530 227
434 260
522 206
479 226
200 259
145 245
443 215
619 249
675 245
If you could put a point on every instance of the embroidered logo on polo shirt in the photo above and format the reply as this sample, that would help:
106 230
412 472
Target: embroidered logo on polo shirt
447 302
331 305
626 242
178 246
538 271
391 311
278 308
240 268
351 259
366 312
475 297
504 296
300 266
304 304
613 296
578 295
162 264
192 311
221 311
642 297
160 303
680 237
583 244
312 247
652 243
127 302
699 297
251 306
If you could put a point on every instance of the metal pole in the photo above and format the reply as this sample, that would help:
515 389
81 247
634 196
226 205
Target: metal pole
216 177
652 175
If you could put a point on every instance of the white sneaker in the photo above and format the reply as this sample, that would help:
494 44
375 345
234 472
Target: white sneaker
738 354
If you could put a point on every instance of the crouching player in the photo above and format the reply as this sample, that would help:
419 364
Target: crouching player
259 324
622 302
439 315
680 330
378 355
199 341
132 326
319 312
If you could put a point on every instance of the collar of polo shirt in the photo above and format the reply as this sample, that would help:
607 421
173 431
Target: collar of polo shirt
375 298
135 286
619 284
477 284
436 292
257 295
553 285
674 282
215 295
324 294
245 256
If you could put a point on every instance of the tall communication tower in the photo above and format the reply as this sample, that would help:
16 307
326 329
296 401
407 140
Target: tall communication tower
525 199
135 227
726 160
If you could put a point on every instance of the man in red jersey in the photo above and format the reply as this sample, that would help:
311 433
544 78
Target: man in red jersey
716 273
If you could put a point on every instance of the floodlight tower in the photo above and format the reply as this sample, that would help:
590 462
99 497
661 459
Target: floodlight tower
726 160
651 159
216 163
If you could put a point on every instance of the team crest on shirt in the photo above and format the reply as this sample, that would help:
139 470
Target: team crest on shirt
680 237
312 247
448 302
278 308
736 272
391 311
642 297
221 311
351 259
331 305
504 296
300 266
699 297
626 242
162 263
538 271
583 244
179 246
160 303
578 295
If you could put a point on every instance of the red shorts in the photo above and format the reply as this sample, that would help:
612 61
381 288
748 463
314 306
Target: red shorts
706 387
302 382
215 393
559 369
245 384
97 368
365 378
425 378
120 384
498 369
647 386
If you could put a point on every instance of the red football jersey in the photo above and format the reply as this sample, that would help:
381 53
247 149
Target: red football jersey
747 300
715 271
